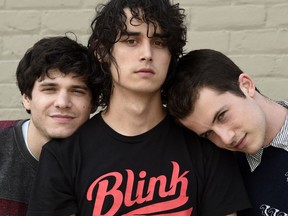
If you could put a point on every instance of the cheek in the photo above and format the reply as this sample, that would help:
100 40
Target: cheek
216 141
166 61
86 105
193 124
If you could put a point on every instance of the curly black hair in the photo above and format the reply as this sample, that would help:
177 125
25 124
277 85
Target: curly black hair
109 23
61 53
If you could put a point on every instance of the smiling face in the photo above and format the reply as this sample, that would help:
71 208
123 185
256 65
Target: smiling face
232 122
59 105
142 61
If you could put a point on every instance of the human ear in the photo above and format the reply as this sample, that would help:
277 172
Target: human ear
246 84
26 101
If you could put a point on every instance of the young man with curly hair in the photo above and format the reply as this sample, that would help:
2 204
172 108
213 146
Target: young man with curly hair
131 158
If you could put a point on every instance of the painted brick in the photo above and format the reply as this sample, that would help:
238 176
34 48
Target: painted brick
10 96
2 3
278 16
266 2
275 88
267 41
15 22
255 65
218 40
91 4
8 70
61 22
227 17
203 2
13 114
14 47
36 4
282 67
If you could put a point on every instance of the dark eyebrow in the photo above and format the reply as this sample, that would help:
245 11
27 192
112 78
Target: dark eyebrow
84 87
44 84
128 33
51 84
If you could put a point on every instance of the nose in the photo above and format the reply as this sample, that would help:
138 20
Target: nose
63 100
226 135
146 51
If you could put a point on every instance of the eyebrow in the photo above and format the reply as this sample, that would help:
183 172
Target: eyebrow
45 84
129 33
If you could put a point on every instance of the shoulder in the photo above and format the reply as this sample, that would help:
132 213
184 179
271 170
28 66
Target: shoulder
7 128
80 137
7 123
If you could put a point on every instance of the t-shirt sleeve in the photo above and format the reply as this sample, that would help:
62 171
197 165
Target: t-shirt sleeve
224 191
52 193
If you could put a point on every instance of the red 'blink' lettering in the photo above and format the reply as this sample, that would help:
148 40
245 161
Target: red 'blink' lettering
141 196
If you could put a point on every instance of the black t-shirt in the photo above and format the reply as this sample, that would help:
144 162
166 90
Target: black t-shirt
165 171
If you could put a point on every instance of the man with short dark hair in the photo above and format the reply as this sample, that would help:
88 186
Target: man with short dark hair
215 99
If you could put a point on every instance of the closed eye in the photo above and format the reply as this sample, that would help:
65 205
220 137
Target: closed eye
80 91
48 90
221 116
207 134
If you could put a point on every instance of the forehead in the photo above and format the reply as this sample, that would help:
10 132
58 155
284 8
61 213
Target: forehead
134 23
56 75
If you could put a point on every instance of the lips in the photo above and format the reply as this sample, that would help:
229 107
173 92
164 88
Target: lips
241 142
62 118
145 71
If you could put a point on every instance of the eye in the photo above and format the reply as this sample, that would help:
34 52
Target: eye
207 134
130 42
48 90
159 43
79 91
221 116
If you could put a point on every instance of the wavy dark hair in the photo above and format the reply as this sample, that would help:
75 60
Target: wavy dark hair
61 53
109 23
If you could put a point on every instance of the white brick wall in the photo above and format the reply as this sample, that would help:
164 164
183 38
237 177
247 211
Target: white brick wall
254 33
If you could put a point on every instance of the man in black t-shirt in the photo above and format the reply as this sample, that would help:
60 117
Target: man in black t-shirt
131 158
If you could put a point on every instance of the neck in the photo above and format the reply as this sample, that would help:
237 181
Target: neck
35 141
275 117
133 115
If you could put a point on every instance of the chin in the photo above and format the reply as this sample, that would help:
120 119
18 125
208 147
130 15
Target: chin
251 152
61 135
